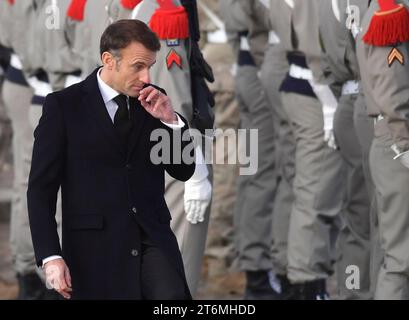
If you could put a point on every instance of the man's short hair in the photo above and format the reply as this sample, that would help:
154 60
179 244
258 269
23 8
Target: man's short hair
122 33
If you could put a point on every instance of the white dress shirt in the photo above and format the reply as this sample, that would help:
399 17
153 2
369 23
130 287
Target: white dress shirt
108 95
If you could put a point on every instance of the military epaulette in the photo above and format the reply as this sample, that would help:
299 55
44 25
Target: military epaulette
170 21
76 9
389 26
130 4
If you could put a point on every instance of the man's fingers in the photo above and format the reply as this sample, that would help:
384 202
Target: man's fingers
146 105
190 215
65 294
58 277
153 95
146 91
62 283
195 210
187 210
203 206
68 277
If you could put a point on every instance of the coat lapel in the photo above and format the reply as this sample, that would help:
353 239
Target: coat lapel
95 104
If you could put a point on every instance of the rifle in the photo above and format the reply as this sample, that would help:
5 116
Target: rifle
203 100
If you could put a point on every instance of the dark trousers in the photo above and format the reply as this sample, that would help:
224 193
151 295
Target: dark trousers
159 278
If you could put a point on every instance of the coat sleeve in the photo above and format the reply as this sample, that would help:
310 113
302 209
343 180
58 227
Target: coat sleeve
45 179
183 170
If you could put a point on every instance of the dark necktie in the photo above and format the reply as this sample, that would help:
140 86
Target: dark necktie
122 121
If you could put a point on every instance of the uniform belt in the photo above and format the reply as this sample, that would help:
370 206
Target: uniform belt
16 76
244 44
218 36
273 38
15 62
350 87
300 72
37 101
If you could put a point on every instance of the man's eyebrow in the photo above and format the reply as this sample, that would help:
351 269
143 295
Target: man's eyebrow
140 63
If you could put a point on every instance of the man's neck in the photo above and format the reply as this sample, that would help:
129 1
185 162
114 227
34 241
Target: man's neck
104 77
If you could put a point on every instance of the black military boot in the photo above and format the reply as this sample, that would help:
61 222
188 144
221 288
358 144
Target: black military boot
30 287
311 290
261 286
287 289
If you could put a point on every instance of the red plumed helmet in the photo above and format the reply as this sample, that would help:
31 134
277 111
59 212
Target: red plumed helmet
130 4
389 26
170 21
76 9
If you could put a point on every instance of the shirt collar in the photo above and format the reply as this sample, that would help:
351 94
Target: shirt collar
107 92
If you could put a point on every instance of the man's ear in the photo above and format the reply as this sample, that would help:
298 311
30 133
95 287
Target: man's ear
108 60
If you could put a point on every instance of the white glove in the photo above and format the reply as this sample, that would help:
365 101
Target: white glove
198 191
329 106
328 113
329 138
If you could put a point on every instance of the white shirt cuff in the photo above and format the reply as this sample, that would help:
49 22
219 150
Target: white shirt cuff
177 126
50 258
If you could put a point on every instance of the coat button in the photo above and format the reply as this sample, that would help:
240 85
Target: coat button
134 252
134 210
129 166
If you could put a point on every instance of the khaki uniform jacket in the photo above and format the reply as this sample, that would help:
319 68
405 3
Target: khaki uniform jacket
386 86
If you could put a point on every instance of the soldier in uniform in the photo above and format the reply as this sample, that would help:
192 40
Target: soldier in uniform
382 54
17 95
273 71
353 13
318 189
220 248
254 206
354 237
189 202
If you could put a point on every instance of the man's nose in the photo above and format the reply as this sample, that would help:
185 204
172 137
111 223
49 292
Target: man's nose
145 76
